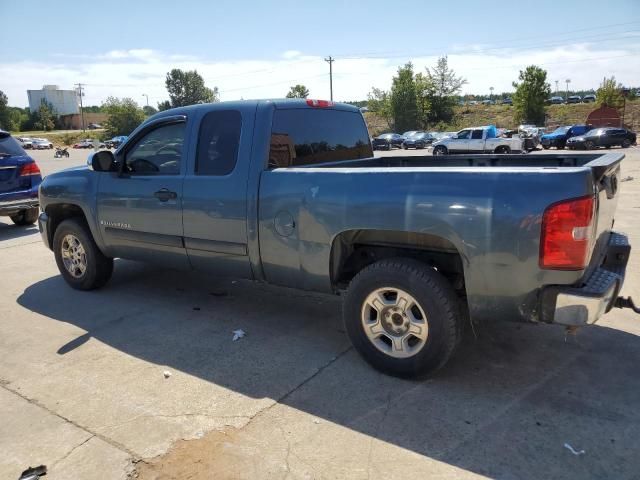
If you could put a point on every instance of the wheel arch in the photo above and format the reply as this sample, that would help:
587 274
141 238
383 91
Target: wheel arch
58 212
353 250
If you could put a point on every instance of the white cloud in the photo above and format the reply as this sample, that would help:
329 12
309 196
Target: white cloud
136 71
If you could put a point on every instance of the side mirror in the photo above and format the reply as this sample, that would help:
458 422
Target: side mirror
103 161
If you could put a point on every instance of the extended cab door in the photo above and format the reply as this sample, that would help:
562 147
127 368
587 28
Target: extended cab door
476 143
215 192
140 206
460 142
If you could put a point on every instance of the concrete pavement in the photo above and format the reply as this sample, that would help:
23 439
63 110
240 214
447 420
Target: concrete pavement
82 386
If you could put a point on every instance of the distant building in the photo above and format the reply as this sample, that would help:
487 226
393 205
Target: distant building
64 102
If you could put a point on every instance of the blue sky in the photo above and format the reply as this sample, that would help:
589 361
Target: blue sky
258 49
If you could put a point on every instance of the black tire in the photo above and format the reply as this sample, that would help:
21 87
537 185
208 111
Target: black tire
502 149
98 267
626 143
435 296
440 150
25 217
404 147
546 147
560 146
589 145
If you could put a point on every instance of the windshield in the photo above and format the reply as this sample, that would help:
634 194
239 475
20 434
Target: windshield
561 130
9 146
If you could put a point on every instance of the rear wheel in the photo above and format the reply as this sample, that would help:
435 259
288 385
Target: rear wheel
25 217
440 150
589 145
80 261
503 149
626 143
403 317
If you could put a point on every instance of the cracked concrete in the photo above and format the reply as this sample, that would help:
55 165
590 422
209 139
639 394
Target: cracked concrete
82 386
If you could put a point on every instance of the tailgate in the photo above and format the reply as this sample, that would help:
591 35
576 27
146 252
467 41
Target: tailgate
9 174
606 176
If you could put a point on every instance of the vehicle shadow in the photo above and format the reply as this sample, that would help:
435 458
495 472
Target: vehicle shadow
504 407
9 231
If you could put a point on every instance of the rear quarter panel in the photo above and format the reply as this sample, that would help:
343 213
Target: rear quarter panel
491 215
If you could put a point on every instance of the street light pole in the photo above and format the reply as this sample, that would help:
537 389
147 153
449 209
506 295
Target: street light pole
557 81
568 80
145 95
491 94
81 94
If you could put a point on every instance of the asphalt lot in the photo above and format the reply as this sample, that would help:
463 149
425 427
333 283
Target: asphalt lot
83 389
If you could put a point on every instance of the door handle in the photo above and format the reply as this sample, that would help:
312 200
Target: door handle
165 195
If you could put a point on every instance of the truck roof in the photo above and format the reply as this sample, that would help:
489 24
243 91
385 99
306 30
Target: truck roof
277 103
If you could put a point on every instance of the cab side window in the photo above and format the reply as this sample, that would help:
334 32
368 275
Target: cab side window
463 135
218 142
476 135
159 152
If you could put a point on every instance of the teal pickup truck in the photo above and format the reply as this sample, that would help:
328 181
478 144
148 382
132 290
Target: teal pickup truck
288 192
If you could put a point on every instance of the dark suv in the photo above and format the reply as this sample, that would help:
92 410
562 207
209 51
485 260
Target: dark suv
19 181
387 141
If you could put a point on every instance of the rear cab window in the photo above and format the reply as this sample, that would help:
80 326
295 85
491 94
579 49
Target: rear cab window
308 136
218 142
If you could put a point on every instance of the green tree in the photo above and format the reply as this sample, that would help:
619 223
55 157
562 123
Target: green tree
187 88
124 115
4 111
403 99
45 116
379 102
443 86
148 110
424 94
530 96
299 91
610 93
164 105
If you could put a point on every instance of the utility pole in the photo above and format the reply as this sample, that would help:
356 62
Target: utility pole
145 95
568 80
491 94
557 87
330 61
81 94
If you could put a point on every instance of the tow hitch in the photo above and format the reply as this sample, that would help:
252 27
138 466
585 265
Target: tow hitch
626 302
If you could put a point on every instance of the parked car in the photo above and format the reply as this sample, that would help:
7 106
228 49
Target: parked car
472 102
88 143
19 181
94 126
558 138
301 203
387 141
574 99
556 100
477 140
25 142
507 101
410 133
417 141
603 137
41 144
115 142
488 101
590 98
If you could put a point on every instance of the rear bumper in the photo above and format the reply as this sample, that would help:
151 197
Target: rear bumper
586 303
11 207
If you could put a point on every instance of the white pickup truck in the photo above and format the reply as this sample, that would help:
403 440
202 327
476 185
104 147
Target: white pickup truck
477 140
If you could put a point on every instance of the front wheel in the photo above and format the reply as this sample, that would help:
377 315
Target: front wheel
440 150
25 217
403 317
589 145
560 146
79 260
626 143
503 149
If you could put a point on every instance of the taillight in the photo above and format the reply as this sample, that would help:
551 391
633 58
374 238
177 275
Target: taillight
567 234
319 103
29 169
